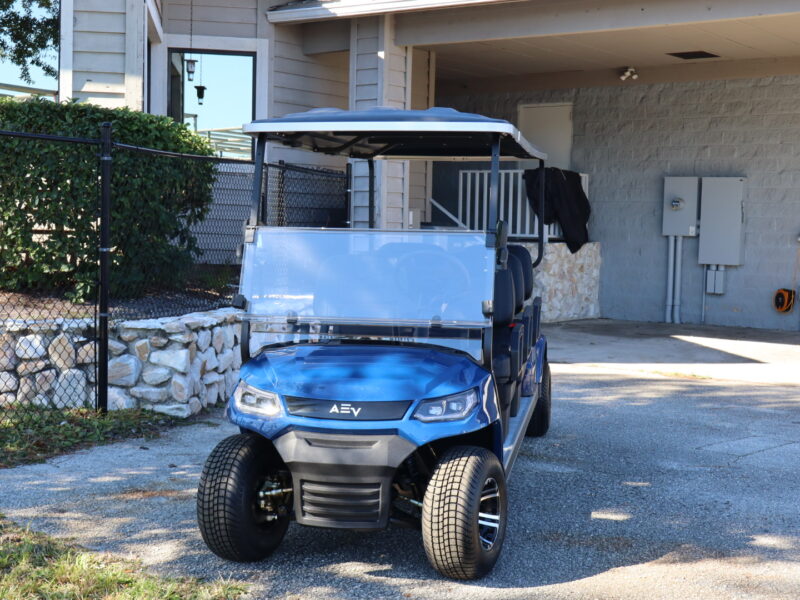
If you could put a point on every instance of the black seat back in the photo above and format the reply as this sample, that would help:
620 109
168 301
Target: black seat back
524 257
515 266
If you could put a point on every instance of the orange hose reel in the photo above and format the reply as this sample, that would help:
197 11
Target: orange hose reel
784 300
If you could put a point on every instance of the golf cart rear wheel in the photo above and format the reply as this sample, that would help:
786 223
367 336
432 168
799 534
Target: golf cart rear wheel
231 521
540 419
464 513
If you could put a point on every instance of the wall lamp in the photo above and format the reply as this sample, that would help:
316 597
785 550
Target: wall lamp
191 64
629 73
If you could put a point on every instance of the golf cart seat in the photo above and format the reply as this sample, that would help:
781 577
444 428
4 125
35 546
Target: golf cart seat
523 258
508 341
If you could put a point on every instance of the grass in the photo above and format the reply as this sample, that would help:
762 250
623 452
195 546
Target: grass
33 565
27 437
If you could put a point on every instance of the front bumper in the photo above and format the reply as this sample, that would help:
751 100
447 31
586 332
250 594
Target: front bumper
342 480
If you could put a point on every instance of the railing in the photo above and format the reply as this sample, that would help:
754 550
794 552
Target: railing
472 211
229 142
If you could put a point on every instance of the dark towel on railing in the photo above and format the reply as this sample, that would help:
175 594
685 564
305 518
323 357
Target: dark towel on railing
565 202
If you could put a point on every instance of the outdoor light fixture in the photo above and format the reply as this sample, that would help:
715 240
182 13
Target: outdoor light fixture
201 93
629 73
191 64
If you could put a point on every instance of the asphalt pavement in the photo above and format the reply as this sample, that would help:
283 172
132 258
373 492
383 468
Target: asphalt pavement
647 487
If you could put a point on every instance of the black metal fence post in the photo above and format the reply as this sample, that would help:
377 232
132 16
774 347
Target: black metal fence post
105 249
348 193
371 192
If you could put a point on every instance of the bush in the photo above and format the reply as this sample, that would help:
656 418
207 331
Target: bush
50 192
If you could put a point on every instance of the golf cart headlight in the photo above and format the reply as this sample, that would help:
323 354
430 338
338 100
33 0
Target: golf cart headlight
256 402
448 408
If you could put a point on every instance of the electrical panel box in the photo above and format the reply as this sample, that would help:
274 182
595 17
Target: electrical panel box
680 206
715 282
722 221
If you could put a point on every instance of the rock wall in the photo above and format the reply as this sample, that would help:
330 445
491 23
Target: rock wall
569 284
174 365
47 363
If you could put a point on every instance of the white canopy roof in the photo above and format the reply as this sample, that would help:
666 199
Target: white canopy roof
382 132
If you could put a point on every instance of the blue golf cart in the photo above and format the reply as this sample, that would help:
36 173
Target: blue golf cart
389 376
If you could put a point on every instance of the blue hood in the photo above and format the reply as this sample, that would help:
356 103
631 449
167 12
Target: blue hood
361 372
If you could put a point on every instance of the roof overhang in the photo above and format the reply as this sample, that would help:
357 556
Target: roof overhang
304 11
436 133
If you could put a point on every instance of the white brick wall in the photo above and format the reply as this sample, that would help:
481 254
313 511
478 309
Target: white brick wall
629 137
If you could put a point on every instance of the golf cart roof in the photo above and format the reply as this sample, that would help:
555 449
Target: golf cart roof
382 132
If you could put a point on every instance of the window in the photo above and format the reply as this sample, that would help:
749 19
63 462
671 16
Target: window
213 93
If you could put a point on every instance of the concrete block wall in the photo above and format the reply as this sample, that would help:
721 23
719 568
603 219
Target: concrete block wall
628 138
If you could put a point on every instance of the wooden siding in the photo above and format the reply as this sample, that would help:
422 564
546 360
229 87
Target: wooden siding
99 52
421 98
230 18
379 72
299 82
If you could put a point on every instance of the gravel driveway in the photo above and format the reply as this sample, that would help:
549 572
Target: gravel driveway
646 487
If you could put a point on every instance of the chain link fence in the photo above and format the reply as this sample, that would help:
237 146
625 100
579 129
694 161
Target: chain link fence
206 276
48 277
65 253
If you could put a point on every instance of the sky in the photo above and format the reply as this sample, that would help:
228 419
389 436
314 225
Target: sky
229 95
9 73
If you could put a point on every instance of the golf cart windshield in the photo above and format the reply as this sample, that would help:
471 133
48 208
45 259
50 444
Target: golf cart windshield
368 277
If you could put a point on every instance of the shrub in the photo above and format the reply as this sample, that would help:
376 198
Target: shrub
50 192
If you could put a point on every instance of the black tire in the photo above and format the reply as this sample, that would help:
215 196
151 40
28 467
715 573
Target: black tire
540 419
232 525
451 531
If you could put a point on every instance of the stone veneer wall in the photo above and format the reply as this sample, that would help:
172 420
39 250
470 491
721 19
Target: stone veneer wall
174 365
46 362
569 284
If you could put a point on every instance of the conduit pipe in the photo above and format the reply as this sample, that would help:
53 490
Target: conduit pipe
676 296
670 278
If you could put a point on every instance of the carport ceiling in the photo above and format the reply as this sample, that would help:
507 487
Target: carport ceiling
741 39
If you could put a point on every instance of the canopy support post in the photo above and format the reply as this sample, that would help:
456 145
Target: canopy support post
371 169
494 183
258 180
540 220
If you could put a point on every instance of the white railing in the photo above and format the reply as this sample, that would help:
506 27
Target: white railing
229 142
472 211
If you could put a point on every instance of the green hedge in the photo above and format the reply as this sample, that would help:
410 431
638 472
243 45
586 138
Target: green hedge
49 200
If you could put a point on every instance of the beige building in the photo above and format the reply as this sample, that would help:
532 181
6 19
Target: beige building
627 92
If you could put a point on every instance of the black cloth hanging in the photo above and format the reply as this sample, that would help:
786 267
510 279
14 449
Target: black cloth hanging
565 202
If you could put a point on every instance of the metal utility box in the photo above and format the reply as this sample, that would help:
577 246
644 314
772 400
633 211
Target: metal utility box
722 221
680 206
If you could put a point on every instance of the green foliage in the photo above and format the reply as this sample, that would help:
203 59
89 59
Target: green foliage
50 194
33 565
29 34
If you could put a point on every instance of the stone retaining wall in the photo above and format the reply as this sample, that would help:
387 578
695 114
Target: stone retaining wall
47 363
569 284
174 365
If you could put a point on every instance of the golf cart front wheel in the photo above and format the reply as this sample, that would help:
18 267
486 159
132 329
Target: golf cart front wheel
464 513
231 517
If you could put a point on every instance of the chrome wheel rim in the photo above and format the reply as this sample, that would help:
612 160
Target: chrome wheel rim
489 513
